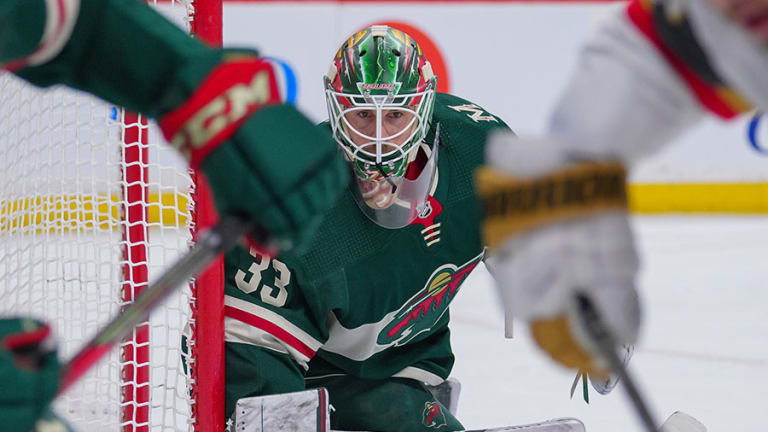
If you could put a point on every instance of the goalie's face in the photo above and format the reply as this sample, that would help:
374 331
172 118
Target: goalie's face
384 132
379 132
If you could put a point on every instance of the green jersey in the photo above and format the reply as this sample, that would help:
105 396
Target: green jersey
363 300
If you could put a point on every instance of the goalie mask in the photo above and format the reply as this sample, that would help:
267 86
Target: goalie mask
380 93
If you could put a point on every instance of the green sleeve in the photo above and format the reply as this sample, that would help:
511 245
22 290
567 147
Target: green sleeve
21 27
256 371
126 53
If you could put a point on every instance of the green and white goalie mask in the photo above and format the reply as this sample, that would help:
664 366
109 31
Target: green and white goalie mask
380 92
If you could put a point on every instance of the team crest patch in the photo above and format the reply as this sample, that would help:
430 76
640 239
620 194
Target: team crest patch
433 416
422 311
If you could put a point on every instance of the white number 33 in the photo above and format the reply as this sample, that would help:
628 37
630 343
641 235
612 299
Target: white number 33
274 295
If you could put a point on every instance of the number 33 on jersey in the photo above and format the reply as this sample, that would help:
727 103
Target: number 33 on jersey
273 292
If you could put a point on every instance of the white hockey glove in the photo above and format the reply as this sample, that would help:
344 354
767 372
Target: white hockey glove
558 228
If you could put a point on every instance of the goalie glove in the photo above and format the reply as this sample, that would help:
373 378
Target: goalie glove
29 372
556 229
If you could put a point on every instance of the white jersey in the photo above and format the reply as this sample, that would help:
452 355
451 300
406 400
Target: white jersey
651 71
631 94
737 56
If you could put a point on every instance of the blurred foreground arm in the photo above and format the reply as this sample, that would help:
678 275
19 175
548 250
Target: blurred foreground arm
556 206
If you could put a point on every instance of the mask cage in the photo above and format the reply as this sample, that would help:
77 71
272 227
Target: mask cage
393 160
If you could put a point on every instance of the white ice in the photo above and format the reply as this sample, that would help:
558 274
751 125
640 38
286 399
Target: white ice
703 349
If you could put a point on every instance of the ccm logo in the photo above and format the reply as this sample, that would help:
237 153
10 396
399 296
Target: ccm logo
225 110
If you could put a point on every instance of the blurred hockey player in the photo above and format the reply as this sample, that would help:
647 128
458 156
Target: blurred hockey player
221 109
363 311
556 206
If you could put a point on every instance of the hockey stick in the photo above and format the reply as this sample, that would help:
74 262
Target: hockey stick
209 245
606 344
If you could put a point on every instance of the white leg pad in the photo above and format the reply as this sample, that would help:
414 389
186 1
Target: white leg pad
304 411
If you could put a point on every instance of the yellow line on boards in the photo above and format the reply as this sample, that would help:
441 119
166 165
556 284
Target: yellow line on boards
66 212
738 198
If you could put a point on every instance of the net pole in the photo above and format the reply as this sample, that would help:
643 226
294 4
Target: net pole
208 412
134 374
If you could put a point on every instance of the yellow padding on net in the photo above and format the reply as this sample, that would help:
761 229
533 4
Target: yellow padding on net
79 212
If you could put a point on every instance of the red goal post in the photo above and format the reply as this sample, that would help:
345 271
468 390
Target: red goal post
94 206
209 410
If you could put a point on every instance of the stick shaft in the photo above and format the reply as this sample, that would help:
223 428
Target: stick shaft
606 343
210 244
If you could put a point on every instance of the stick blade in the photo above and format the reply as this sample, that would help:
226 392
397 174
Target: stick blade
682 422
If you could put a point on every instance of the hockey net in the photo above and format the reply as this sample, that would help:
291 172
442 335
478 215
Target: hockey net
94 206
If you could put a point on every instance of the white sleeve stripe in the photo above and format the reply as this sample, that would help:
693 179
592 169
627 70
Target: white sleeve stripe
60 19
54 13
420 375
275 319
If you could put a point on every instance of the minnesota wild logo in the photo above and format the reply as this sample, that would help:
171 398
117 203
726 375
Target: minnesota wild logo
433 416
422 311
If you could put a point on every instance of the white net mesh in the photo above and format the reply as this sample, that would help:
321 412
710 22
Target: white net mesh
69 180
